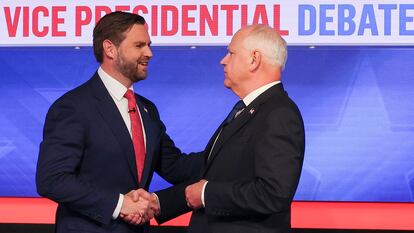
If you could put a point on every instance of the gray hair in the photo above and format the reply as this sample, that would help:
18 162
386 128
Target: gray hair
267 41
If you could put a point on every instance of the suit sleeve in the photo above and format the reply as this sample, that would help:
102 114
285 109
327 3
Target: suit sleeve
278 157
60 155
180 170
176 167
172 202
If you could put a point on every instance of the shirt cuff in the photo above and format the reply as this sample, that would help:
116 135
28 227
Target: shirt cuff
118 207
202 194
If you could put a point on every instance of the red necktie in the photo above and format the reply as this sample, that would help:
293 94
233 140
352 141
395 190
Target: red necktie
137 133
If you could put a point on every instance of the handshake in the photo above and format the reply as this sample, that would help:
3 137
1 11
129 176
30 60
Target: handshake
139 207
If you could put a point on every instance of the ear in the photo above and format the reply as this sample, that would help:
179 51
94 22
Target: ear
109 49
256 59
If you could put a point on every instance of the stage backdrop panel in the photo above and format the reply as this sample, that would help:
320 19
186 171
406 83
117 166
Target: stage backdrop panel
356 103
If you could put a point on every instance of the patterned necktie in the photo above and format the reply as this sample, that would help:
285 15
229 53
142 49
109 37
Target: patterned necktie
137 133
233 113
237 108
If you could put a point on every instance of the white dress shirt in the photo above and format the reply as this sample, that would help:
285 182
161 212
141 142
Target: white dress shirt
246 100
117 91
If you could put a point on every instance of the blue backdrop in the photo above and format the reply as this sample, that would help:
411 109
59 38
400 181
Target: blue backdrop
357 104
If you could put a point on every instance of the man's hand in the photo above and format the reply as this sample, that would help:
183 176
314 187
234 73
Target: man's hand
136 194
147 206
134 211
154 204
193 194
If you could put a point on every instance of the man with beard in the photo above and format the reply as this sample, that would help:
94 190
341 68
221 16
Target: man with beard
101 140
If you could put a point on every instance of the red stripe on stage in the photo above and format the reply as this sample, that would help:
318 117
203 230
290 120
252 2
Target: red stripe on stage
353 215
27 210
322 215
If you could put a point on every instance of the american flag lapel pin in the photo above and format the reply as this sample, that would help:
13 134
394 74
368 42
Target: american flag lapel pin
251 111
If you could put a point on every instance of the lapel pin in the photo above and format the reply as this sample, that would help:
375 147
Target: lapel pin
251 111
145 109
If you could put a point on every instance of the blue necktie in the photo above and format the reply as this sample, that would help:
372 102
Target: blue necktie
237 107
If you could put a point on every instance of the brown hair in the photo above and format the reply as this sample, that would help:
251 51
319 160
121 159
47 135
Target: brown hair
113 27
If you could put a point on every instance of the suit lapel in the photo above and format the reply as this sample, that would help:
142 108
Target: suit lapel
113 118
229 130
150 133
212 139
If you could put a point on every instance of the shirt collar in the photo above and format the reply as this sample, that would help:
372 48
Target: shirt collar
254 94
115 88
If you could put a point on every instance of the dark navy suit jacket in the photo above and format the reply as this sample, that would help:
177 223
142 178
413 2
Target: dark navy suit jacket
252 172
86 158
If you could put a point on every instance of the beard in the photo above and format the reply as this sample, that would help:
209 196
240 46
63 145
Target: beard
130 69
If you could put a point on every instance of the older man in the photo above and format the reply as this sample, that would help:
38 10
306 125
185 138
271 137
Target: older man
254 159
